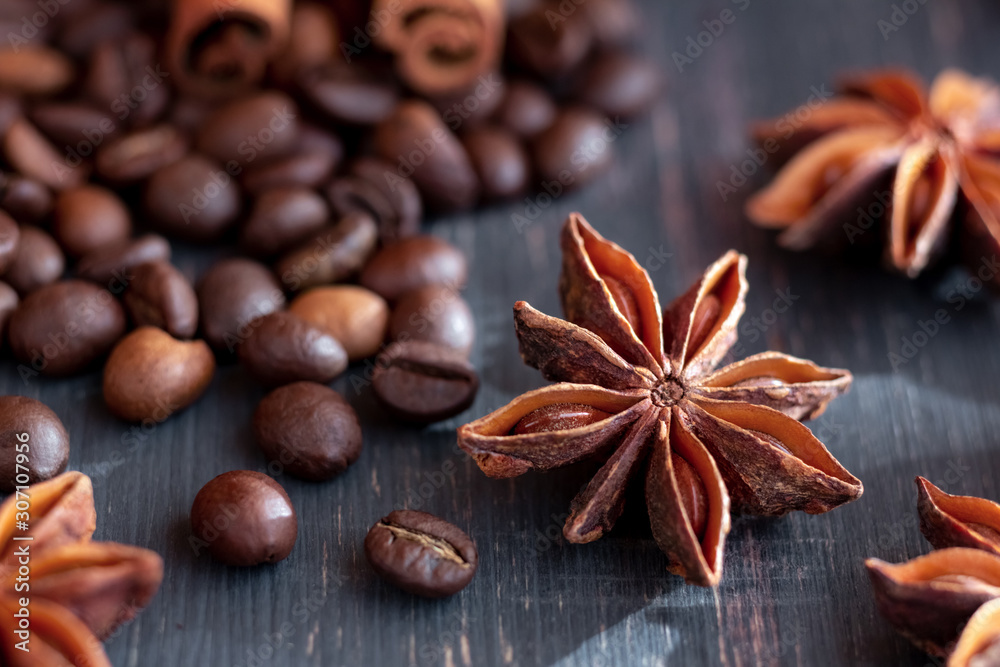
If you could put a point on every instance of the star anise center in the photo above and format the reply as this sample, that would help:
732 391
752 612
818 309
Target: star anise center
668 392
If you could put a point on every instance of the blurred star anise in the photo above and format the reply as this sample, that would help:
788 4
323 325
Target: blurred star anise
940 150
637 386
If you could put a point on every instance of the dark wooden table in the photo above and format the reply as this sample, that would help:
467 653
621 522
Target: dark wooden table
794 592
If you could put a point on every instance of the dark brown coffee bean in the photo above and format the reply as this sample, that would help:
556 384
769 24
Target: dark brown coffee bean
421 554
192 199
282 218
284 348
423 382
374 187
545 49
255 128
245 518
559 417
62 329
89 218
34 70
188 113
10 238
11 109
231 296
470 106
37 262
25 199
126 77
435 314
159 295
576 149
75 125
309 430
420 145
357 318
34 156
8 304
500 161
527 109
111 266
349 94
612 22
138 155
332 255
97 22
309 165
619 84
34 444
414 263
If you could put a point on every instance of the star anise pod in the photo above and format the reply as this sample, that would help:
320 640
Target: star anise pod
77 591
939 149
637 386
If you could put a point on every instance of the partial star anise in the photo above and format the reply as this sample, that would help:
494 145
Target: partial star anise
77 591
940 151
637 387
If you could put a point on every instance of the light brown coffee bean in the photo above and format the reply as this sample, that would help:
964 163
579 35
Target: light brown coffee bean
37 262
159 295
34 70
356 317
89 218
284 348
413 263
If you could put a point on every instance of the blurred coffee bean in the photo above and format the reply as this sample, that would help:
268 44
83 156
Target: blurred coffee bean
309 165
308 429
37 262
11 109
258 127
527 109
374 188
126 78
192 199
138 154
31 429
10 237
75 125
159 295
34 70
281 218
231 296
413 263
548 50
500 161
188 113
63 328
423 382
284 348
336 253
356 317
96 23
89 218
466 108
420 146
312 41
576 149
434 314
114 263
34 156
620 84
349 94
612 22
25 199
8 304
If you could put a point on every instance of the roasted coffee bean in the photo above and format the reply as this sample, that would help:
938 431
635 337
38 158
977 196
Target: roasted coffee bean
692 492
25 199
245 518
192 199
282 218
89 218
95 23
559 417
231 296
8 304
421 554
312 41
499 160
11 109
74 124
30 153
619 84
34 70
114 263
612 22
138 155
546 49
188 113
34 444
416 140
356 317
423 382
309 430
472 105
332 255
10 238
349 94
62 329
284 348
159 295
527 109
414 263
150 375
435 314
125 77
395 206
37 262
578 145
310 164
260 127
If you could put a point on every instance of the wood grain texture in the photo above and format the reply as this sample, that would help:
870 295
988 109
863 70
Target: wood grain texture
794 591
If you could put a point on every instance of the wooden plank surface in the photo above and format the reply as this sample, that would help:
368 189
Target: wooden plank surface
794 591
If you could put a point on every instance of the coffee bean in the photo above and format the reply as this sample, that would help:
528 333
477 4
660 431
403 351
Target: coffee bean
423 382
349 94
500 161
284 348
71 124
395 206
312 41
125 77
261 126
245 518
619 84
160 296
34 70
192 199
413 263
63 328
34 156
34 444
310 164
546 49
94 23
472 105
435 314
282 218
309 430
25 199
527 109
612 22
416 139
576 143
89 218
111 266
231 295
8 304
10 238
332 255
356 317
37 262
138 155
421 553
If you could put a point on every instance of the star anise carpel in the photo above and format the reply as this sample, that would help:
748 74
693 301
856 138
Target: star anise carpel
938 150
637 386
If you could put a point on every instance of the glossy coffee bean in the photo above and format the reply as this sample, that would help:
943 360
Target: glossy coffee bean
31 436
434 314
192 199
31 154
10 238
619 84
394 203
282 218
37 262
309 430
309 165
349 94
527 109
357 318
89 218
9 301
244 518
111 266
34 70
576 149
138 155
128 69
231 295
421 553
284 348
159 295
71 123
414 263
150 375
500 161
332 255
63 328
546 49
25 199
258 127
423 382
